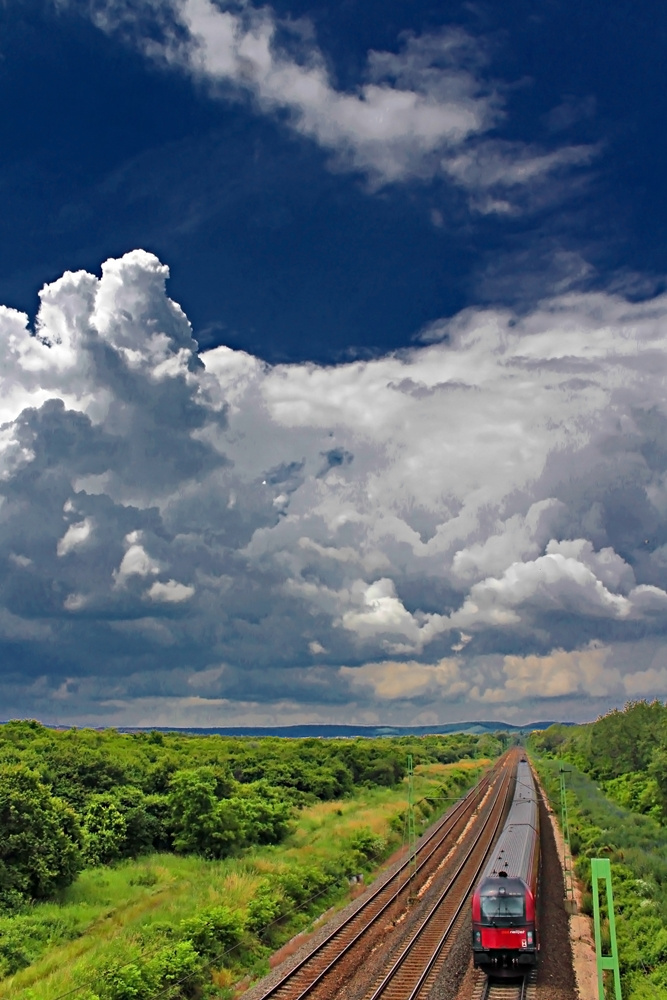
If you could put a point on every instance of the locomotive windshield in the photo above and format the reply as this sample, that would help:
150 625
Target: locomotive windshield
501 909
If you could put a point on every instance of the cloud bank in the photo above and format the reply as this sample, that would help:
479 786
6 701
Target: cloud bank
428 110
475 526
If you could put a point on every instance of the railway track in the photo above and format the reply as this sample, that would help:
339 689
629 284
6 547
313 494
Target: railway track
421 958
304 978
523 989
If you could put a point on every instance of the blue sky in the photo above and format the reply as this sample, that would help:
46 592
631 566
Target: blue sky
106 150
399 452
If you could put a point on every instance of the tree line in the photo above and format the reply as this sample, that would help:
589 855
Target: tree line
83 797
625 752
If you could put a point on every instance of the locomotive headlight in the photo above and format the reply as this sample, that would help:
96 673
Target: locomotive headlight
478 937
529 937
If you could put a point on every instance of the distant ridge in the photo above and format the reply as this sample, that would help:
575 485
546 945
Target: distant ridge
332 731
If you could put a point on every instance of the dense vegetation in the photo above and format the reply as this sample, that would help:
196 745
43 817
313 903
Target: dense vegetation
83 799
617 804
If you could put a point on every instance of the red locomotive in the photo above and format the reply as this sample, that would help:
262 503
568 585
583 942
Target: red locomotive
504 930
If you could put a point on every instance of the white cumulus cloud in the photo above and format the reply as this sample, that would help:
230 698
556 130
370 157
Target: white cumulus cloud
135 562
76 535
170 592
469 522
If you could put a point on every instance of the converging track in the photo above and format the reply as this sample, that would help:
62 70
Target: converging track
422 957
464 837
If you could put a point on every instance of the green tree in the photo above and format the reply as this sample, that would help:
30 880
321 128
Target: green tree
263 813
489 746
621 742
105 830
40 838
144 819
202 821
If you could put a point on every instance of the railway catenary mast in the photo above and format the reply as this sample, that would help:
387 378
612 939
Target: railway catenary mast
504 932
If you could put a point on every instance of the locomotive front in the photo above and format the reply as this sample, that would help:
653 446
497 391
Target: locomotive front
504 935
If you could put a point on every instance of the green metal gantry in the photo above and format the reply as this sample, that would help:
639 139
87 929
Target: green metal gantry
601 871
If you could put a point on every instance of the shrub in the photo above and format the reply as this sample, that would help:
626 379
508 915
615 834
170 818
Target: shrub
367 845
263 813
14 954
201 821
303 884
637 847
125 982
178 966
24 936
213 931
176 970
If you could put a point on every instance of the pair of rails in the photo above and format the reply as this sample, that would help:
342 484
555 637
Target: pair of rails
459 844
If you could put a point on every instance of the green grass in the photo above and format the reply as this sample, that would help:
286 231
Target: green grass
127 912
637 848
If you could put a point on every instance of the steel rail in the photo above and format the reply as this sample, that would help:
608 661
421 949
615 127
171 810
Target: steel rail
505 991
454 883
522 989
435 839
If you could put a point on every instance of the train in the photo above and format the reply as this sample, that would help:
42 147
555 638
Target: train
504 926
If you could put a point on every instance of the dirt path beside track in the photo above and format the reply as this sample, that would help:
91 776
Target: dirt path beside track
575 933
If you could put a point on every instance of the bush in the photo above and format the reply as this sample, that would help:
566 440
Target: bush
25 936
176 970
213 931
304 884
125 982
212 817
144 817
263 813
267 905
637 847
368 846
14 954
289 892
178 966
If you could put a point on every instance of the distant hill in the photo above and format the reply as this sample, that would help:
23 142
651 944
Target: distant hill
333 731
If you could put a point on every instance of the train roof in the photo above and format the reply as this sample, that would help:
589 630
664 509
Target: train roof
514 850
522 814
513 853
524 790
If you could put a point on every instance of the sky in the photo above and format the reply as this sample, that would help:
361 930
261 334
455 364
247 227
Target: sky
333 344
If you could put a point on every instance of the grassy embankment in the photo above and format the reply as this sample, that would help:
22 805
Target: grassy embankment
121 915
637 847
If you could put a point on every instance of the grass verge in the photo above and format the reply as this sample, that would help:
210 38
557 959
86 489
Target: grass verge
129 931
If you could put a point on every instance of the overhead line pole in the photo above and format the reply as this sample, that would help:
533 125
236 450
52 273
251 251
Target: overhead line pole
412 833
567 850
